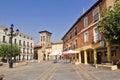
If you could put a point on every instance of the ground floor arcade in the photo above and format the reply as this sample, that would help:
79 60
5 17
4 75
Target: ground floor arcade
96 55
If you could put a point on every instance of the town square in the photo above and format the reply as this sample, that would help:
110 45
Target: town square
57 71
54 40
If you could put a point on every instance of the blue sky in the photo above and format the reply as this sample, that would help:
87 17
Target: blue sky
32 16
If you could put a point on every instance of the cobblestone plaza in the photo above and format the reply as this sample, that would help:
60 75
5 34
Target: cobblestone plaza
56 71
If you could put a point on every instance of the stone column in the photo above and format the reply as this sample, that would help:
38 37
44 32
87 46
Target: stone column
79 57
95 57
108 51
85 57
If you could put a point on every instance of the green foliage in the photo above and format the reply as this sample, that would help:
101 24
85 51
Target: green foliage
5 50
110 24
15 50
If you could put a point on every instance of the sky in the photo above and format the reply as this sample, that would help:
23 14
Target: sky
33 16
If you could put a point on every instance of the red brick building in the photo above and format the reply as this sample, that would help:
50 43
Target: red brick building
84 36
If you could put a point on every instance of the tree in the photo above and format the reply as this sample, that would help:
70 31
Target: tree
15 51
110 24
5 51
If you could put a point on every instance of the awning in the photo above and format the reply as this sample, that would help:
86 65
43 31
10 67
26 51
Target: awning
70 52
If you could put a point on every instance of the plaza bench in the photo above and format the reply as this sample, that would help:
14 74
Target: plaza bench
105 66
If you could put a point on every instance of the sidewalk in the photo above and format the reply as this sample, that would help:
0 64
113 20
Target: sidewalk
57 71
100 74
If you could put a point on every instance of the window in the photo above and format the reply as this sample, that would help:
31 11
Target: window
10 40
41 38
47 39
85 21
75 31
20 42
97 36
15 41
96 14
70 35
31 50
23 50
27 50
76 43
86 37
3 39
31 44
70 46
113 52
24 43
28 44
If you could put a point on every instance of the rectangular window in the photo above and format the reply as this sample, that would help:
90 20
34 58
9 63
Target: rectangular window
23 50
20 42
27 50
76 43
97 36
15 41
28 44
70 45
85 21
70 35
75 31
4 39
31 44
24 43
96 14
86 37
31 50
41 38
113 52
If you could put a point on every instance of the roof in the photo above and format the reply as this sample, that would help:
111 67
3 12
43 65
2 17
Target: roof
94 5
37 47
20 33
45 31
58 42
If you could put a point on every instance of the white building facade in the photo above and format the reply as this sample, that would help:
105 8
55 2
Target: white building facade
24 41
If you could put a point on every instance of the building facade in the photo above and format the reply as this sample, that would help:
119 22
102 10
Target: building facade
57 49
85 37
24 41
44 45
57 46
45 49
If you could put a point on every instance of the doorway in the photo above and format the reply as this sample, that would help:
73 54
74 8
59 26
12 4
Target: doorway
99 57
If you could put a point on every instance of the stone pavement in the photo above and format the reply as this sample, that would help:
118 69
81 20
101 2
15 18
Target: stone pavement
57 71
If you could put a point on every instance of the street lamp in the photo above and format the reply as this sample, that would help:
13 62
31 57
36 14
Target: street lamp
11 33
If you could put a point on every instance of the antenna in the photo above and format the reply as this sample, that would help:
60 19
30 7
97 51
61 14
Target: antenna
83 10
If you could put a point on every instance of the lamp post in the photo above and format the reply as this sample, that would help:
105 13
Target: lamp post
11 33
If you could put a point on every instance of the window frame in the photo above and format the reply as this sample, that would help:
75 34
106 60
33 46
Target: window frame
86 37
85 21
96 12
